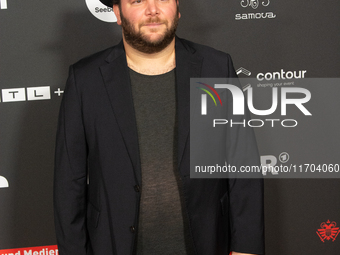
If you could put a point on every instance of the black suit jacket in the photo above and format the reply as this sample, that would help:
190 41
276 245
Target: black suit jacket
98 185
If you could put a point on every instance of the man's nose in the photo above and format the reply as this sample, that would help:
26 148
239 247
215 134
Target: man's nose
152 7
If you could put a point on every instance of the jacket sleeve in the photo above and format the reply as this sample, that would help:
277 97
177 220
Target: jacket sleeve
70 174
245 195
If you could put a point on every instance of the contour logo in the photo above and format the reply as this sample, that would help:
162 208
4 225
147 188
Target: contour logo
101 11
282 75
3 4
243 70
3 182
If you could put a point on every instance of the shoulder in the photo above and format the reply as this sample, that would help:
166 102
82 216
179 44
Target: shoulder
207 52
203 50
86 74
94 61
214 62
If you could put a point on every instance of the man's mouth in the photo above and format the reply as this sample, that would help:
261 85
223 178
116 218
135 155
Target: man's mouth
153 24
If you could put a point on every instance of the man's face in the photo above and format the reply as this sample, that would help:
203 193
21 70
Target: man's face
148 25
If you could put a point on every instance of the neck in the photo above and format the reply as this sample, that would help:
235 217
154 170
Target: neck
151 64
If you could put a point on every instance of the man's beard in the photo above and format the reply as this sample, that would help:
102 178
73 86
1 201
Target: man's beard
139 41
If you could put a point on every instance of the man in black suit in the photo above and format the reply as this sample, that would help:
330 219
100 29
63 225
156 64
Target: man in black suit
122 182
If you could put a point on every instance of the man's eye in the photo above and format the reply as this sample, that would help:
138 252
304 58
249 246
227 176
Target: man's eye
136 1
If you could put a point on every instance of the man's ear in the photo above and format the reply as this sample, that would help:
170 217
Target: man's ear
117 13
179 14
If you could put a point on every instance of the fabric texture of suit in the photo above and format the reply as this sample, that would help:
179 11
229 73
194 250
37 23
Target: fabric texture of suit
98 185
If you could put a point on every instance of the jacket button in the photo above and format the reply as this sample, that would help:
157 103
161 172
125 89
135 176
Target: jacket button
137 189
132 229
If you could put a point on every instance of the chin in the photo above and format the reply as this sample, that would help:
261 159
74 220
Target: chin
153 39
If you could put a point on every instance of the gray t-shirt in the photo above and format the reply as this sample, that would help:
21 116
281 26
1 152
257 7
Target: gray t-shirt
163 225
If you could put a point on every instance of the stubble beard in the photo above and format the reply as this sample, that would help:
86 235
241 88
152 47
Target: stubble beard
140 42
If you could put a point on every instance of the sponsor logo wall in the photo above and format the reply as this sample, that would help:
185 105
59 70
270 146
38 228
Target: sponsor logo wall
270 41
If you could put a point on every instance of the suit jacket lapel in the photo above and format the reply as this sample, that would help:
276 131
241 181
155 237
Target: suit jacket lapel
117 82
188 65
